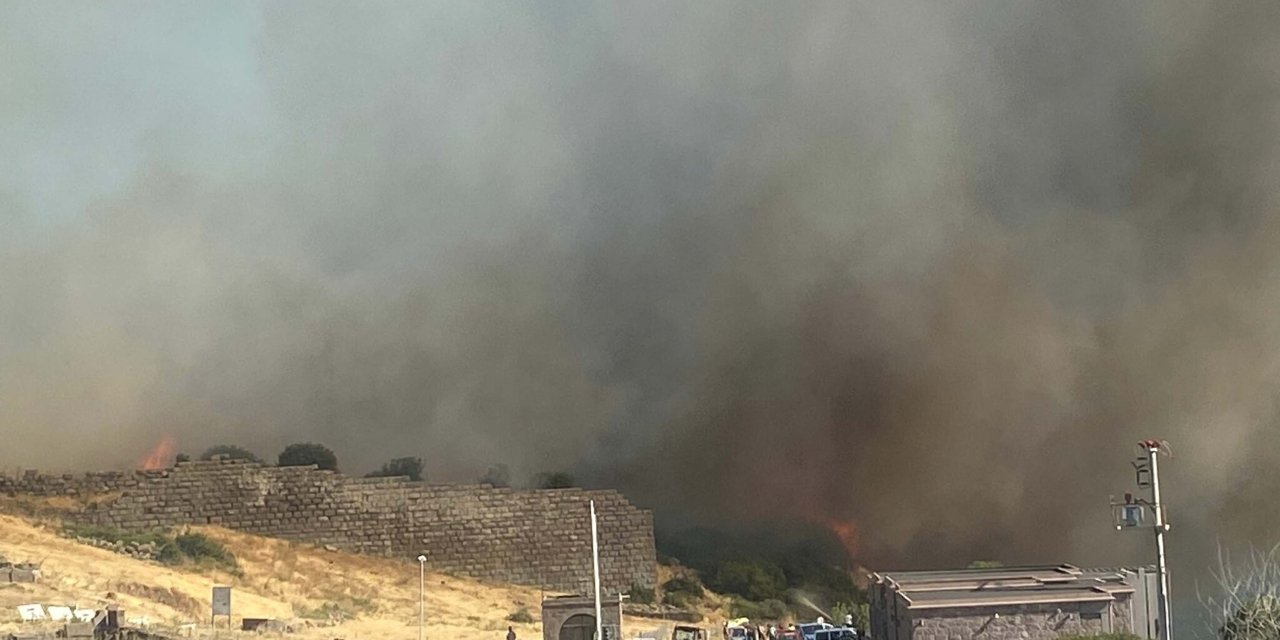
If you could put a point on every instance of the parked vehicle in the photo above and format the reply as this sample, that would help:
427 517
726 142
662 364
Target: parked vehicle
683 632
808 629
836 633
743 633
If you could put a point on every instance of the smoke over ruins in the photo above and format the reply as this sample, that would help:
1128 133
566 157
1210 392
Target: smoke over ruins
929 269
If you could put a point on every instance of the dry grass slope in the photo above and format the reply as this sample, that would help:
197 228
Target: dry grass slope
364 597
328 594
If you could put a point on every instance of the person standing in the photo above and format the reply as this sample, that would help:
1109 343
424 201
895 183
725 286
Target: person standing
511 633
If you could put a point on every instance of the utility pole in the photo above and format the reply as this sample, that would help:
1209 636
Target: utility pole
595 561
1162 569
422 593
1130 514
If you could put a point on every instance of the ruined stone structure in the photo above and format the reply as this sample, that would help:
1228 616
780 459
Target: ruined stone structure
534 537
1018 603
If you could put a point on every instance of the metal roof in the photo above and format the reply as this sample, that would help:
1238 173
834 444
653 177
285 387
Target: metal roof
1003 597
1003 586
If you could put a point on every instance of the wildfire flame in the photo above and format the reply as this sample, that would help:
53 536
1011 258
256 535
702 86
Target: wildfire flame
847 532
160 455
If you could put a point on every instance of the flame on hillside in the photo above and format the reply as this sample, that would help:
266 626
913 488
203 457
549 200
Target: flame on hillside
847 532
160 455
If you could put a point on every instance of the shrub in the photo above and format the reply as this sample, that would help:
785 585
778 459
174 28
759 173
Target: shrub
861 614
521 616
195 548
556 480
755 580
1255 619
201 548
641 594
681 591
411 467
771 609
230 451
305 453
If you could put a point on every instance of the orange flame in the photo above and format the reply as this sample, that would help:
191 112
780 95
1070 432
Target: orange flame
160 455
847 532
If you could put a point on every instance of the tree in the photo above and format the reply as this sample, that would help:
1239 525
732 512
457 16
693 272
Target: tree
860 612
1247 603
751 579
231 451
555 480
305 453
411 467
497 476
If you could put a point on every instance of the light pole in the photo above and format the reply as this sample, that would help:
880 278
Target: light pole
595 564
1130 515
1162 569
422 593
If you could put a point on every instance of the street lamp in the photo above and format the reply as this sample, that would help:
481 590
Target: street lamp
422 592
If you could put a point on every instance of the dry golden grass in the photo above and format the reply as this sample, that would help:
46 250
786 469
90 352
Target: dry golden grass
329 594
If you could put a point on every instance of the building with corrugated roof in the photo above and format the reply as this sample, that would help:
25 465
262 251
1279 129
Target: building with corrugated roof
1012 603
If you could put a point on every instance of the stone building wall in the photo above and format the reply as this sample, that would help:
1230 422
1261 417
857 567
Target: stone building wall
1019 622
534 537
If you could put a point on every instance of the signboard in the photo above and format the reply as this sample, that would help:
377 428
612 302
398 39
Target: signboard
222 601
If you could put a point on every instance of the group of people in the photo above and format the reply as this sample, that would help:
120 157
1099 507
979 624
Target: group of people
772 632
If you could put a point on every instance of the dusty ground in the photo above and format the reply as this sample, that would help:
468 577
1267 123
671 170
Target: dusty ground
327 594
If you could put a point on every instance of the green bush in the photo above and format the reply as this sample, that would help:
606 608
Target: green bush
521 616
755 580
201 548
861 614
813 560
641 594
771 609
186 548
305 453
682 591
410 467
230 451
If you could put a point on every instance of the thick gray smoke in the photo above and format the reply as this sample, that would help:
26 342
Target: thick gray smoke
930 268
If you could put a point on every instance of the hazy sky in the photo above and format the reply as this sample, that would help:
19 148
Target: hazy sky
964 254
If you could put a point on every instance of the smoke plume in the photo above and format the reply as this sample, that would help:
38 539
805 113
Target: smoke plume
929 268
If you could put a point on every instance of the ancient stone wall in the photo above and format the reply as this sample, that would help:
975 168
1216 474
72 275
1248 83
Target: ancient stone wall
34 483
540 537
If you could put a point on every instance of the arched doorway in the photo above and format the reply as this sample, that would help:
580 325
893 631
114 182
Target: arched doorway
578 627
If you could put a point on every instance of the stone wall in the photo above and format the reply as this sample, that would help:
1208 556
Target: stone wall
538 537
34 483
1020 622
